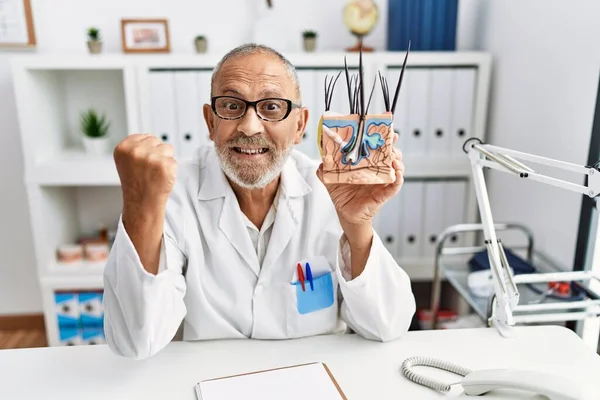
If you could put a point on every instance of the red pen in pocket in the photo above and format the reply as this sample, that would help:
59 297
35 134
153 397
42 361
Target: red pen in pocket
301 276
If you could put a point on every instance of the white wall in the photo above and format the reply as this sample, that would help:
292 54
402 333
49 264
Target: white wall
227 24
545 78
18 283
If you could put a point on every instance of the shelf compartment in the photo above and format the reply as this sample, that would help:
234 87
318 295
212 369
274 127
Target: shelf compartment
64 214
50 103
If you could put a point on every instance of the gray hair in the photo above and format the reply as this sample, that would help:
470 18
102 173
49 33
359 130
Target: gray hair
252 48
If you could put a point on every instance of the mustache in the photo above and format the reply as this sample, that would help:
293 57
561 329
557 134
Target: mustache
250 140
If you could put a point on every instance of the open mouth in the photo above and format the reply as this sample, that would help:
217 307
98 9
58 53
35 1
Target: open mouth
247 151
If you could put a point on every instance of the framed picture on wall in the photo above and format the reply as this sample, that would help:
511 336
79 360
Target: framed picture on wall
16 24
145 36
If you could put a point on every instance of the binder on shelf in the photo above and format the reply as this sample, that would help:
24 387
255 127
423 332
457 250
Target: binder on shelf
463 95
387 225
291 383
429 24
439 25
401 115
397 36
188 113
445 205
203 82
412 220
414 9
455 206
162 106
418 111
426 14
438 140
434 221
451 17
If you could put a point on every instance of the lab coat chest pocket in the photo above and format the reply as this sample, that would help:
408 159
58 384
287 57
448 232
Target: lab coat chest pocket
313 309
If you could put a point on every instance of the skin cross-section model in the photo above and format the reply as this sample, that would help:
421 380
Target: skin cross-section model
357 148
357 151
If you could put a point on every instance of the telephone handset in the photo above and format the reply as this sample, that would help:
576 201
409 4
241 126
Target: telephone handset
476 383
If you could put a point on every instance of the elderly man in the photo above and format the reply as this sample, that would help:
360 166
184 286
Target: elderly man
245 241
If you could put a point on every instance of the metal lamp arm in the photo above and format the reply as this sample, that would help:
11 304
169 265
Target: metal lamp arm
507 160
487 156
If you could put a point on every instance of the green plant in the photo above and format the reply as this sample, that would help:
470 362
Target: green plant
200 37
94 125
309 34
94 34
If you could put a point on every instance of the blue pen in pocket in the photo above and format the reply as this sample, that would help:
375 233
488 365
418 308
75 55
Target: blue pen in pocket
320 295
309 277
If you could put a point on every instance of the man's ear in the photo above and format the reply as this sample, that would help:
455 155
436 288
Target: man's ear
209 117
301 125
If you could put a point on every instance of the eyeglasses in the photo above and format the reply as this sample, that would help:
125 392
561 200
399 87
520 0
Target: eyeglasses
271 109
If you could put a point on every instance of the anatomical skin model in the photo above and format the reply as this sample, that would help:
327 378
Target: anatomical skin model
357 148
358 151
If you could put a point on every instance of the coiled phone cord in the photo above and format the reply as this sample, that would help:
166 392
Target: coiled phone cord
435 363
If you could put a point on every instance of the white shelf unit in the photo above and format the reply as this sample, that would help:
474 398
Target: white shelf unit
71 193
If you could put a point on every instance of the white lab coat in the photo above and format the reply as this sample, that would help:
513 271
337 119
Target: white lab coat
210 278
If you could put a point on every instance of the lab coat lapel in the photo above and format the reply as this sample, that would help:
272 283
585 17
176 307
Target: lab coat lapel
233 227
289 212
215 186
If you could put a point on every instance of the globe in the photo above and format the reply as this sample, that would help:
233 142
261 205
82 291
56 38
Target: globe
360 17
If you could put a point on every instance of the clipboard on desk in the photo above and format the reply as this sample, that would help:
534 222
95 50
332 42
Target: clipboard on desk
296 382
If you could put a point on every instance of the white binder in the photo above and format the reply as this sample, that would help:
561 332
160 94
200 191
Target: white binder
203 83
401 125
438 138
455 195
463 105
418 111
412 220
189 113
434 220
162 106
388 225
308 92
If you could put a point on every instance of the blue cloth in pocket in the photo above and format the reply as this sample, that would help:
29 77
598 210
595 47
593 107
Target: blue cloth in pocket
319 298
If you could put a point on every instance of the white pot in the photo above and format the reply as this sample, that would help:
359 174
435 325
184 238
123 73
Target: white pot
94 47
201 45
310 43
97 146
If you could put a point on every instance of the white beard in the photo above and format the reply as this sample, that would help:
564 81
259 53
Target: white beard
265 178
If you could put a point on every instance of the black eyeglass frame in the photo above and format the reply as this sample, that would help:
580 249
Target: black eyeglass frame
290 106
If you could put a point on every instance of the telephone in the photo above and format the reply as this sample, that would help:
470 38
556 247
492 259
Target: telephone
480 382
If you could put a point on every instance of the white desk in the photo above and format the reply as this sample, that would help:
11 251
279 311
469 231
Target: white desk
364 369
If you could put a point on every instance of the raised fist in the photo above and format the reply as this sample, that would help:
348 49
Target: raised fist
147 170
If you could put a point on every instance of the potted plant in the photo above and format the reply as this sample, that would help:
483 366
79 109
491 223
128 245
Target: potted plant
95 132
310 40
94 41
201 43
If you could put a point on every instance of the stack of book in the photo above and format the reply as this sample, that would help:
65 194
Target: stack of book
429 25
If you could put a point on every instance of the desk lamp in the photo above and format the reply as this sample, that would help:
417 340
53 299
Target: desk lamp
506 294
506 298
